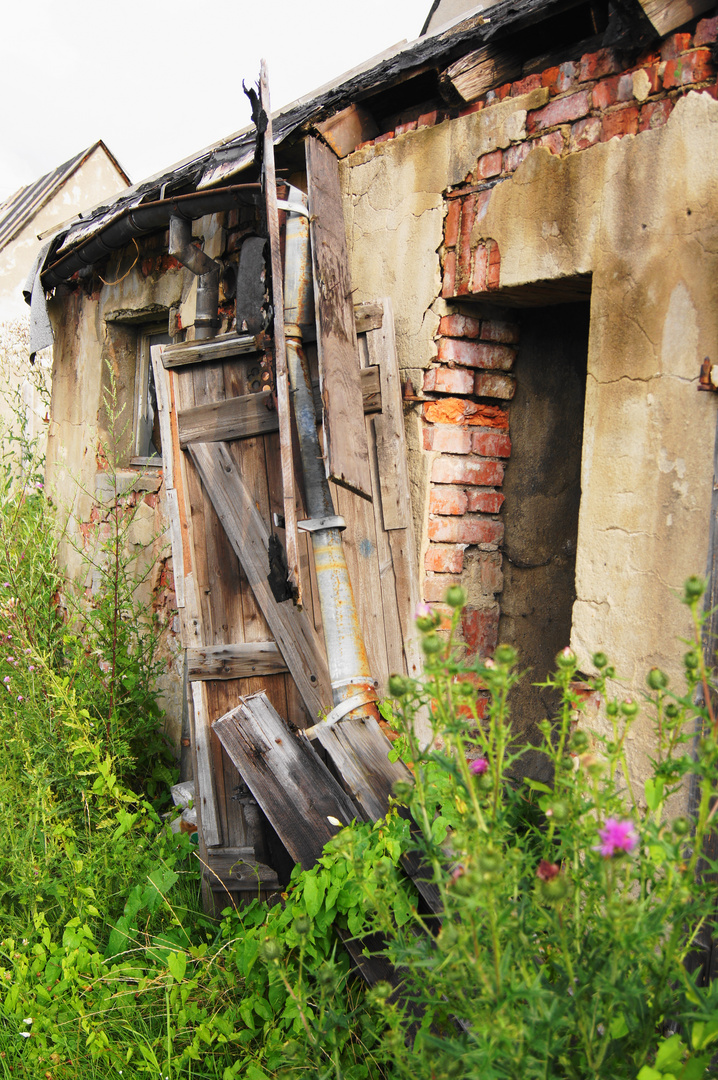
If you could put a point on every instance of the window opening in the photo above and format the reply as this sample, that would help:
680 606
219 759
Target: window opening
148 443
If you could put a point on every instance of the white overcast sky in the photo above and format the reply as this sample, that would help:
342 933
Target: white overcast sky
158 80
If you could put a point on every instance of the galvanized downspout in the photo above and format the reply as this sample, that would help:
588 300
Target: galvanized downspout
353 688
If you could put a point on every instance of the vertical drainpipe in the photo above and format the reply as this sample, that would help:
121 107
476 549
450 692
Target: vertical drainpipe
207 271
353 688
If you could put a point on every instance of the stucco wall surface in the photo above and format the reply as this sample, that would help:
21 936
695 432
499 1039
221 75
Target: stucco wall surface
639 214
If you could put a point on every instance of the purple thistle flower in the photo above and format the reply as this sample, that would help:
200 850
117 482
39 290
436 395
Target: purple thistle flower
479 766
616 837
423 611
19 697
6 679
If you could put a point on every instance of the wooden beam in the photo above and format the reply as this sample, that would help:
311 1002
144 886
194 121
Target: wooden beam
347 128
218 348
280 348
345 444
235 661
667 15
249 536
253 414
479 71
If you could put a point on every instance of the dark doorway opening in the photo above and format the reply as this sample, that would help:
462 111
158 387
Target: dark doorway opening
542 487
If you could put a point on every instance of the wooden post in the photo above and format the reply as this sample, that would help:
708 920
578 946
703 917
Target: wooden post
345 444
280 353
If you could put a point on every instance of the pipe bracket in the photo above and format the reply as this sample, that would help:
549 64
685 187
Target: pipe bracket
333 521
292 207
340 711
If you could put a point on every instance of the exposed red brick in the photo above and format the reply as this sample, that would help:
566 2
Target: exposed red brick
368 142
712 91
427 119
674 45
489 165
480 276
443 380
503 91
468 215
553 142
585 133
515 155
620 122
466 530
495 385
605 93
706 31
385 137
654 114
151 499
525 86
444 558
446 499
461 411
449 282
596 65
491 443
491 577
480 630
435 586
654 78
559 111
493 273
476 354
498 330
447 439
476 107
693 68
549 78
475 471
451 222
401 129
484 501
459 326
567 76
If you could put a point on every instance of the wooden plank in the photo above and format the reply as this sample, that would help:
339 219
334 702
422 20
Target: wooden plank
345 446
280 348
347 128
195 352
235 661
249 536
395 492
253 414
289 781
175 530
163 414
203 777
479 71
299 796
367 316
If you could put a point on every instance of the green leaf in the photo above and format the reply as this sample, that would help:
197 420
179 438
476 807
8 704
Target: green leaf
255 1073
670 1052
177 963
618 1027
647 1073
654 792
695 1069
536 785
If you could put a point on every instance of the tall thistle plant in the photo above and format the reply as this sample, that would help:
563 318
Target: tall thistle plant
572 907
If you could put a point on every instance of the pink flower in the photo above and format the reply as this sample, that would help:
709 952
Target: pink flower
31 667
616 836
19 697
479 766
423 611
6 678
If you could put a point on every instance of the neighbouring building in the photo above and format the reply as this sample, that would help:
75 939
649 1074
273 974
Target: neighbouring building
27 220
533 193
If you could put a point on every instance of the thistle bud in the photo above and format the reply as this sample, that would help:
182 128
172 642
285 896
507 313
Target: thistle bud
566 659
693 589
397 686
691 660
657 679
431 644
505 655
600 660
455 596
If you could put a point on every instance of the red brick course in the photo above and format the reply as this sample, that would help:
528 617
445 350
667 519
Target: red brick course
477 354
491 443
467 470
493 385
695 67
559 111
446 499
447 439
480 630
444 558
460 411
466 530
483 501
460 326
443 380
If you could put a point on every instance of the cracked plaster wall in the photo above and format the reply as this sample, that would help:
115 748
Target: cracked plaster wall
639 214
86 346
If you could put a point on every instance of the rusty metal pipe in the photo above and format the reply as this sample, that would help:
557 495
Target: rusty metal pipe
206 270
346 654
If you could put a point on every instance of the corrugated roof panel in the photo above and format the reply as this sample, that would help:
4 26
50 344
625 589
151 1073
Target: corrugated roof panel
25 203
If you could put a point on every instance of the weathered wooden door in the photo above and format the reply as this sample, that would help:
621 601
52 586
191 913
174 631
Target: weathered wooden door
224 499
